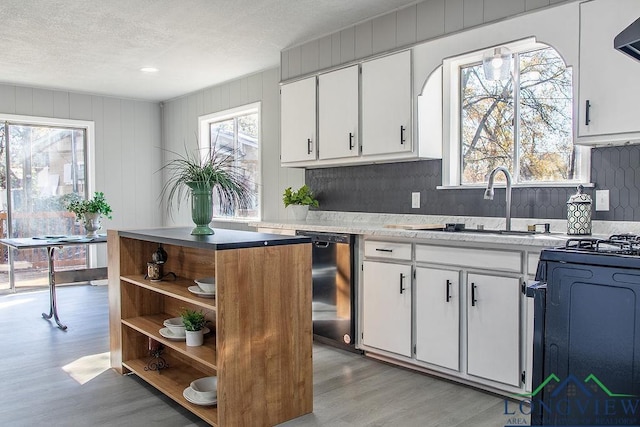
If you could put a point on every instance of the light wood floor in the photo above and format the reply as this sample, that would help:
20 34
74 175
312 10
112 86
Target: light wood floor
37 385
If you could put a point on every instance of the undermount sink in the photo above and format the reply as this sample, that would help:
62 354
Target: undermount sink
513 232
460 228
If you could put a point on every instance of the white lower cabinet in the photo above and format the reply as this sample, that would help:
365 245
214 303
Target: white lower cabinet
386 302
437 295
493 328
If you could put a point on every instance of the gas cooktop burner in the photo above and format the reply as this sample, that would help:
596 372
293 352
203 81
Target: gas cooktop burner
622 244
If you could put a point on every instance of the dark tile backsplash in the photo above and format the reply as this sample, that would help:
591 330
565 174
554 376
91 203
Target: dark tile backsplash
387 188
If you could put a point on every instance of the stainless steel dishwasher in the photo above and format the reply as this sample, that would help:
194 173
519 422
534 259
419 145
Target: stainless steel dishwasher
334 301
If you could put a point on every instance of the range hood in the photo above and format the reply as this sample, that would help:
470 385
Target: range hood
628 41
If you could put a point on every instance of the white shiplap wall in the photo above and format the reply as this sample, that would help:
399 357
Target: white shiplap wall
426 20
180 127
126 146
127 141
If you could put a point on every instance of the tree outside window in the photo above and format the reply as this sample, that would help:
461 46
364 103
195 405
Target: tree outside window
524 123
237 135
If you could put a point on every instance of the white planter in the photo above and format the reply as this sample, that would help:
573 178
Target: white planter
195 338
299 211
92 223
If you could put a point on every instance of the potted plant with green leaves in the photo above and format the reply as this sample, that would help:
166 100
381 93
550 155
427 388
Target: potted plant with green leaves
90 211
194 323
204 176
299 201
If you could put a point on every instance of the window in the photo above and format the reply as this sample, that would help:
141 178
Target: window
524 123
236 133
41 162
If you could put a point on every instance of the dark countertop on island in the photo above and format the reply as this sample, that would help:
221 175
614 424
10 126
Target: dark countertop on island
221 240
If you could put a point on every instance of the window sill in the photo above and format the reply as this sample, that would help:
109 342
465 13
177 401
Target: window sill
532 185
234 220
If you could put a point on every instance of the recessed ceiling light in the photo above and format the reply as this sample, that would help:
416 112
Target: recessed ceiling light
149 69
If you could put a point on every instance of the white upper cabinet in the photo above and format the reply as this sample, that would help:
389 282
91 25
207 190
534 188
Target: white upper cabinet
338 114
386 105
609 79
298 121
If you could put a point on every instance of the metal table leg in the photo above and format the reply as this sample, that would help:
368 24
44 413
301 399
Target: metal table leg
53 308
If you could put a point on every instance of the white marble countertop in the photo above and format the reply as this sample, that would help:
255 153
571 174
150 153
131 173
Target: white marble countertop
374 225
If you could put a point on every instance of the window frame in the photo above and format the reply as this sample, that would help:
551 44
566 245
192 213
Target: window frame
451 126
204 143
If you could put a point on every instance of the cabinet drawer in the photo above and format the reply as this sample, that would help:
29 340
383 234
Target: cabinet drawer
387 250
476 258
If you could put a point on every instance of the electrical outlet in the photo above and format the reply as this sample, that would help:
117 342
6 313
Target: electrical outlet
415 200
602 200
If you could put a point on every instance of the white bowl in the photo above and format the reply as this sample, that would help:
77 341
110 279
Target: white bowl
207 284
176 326
205 388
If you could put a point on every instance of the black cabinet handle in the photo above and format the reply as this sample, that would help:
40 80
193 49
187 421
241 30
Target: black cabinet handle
473 294
350 141
587 114
448 293
402 139
308 145
402 283
384 250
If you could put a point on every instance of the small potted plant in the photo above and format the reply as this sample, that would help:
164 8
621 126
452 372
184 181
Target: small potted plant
89 211
194 322
299 201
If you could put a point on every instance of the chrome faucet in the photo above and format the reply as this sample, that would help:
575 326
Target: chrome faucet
488 193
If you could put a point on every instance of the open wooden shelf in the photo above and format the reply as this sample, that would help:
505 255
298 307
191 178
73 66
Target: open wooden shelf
260 344
150 325
172 381
177 289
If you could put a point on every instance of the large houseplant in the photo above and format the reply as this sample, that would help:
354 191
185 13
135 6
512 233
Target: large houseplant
89 211
299 201
203 176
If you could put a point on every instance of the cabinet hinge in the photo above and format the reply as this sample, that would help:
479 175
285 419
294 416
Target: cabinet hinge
524 377
414 273
414 349
361 267
524 288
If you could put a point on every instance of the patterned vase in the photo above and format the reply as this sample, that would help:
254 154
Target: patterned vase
579 213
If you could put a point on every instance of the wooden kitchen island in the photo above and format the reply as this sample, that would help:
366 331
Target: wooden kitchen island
260 345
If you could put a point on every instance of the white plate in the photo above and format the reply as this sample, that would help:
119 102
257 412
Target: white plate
196 290
190 395
166 332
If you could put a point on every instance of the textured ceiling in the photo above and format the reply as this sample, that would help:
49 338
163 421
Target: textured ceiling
99 46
